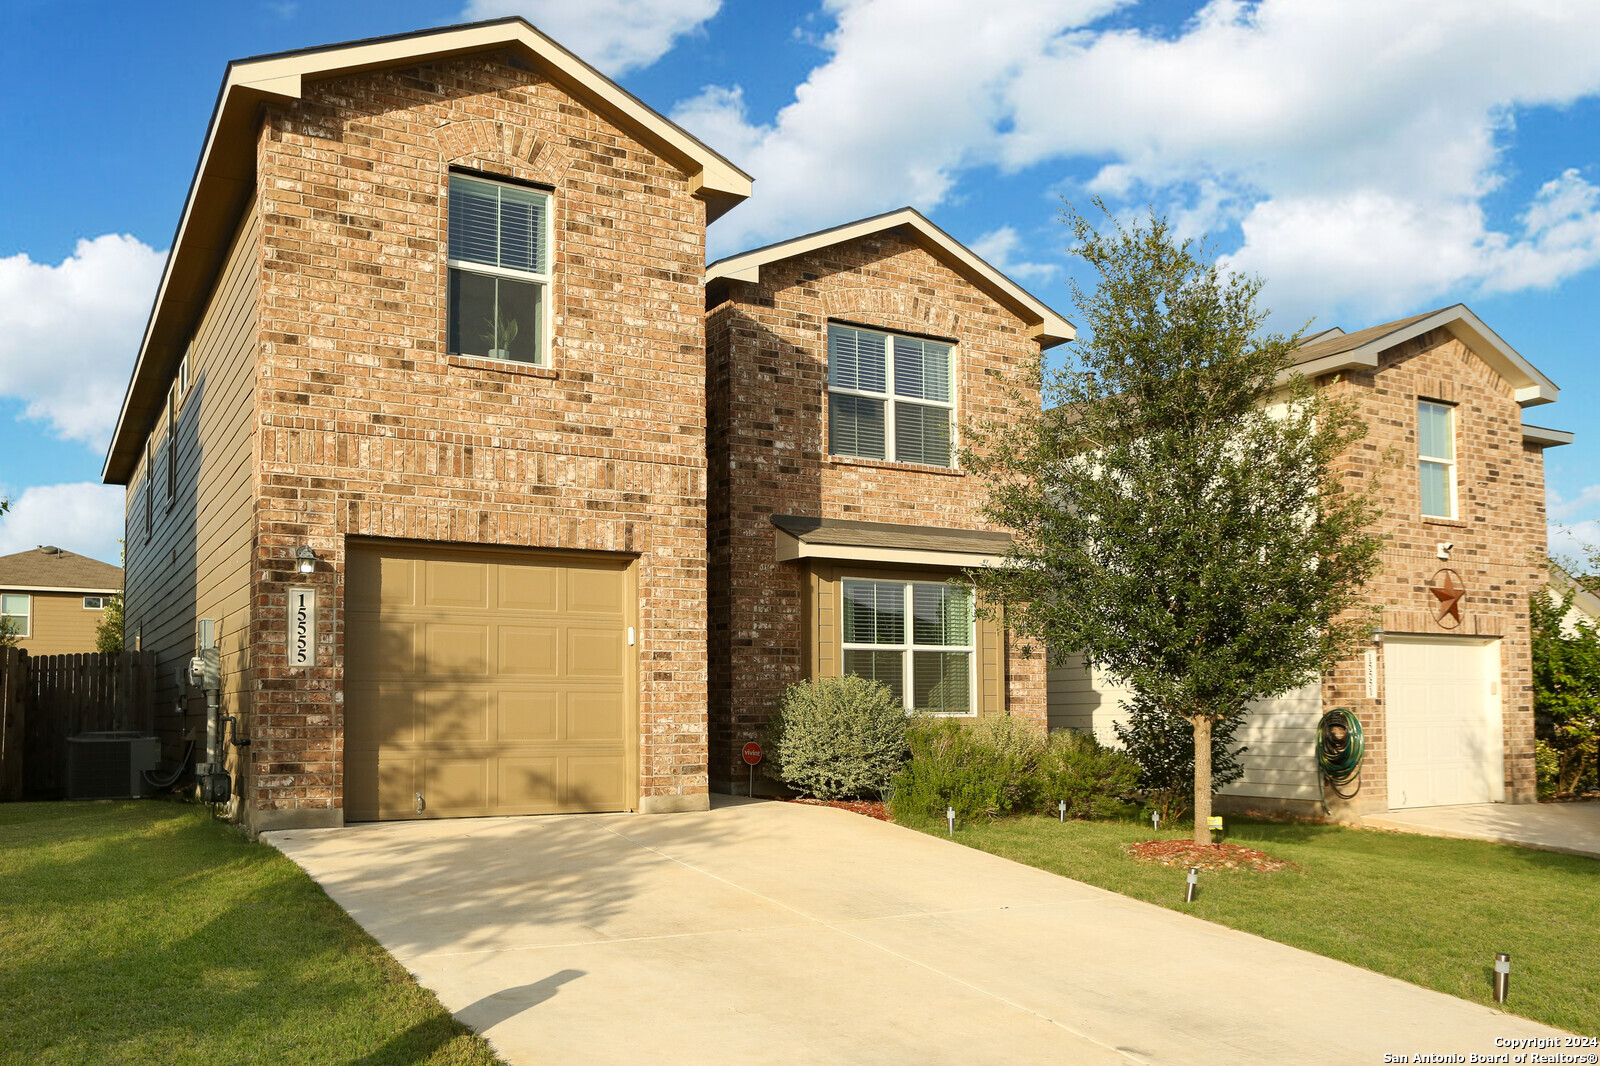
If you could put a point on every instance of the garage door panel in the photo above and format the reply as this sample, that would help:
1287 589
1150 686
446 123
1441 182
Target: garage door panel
379 714
457 584
454 715
595 782
488 684
594 653
457 651
530 781
529 651
451 785
529 716
595 715
529 588
596 591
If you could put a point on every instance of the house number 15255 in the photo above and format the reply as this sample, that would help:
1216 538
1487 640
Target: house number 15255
302 636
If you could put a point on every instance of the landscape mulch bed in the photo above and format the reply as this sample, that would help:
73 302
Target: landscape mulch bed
1206 856
871 808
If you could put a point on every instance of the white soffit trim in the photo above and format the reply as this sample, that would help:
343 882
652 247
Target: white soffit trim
224 177
1532 387
1048 327
789 548
1551 438
62 589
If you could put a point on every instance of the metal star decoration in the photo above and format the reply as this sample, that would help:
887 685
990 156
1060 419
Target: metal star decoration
1448 591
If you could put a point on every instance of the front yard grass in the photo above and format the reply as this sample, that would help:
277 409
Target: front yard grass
1427 910
148 932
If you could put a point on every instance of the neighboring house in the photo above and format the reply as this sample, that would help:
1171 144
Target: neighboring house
432 329
1585 608
54 600
1445 695
841 364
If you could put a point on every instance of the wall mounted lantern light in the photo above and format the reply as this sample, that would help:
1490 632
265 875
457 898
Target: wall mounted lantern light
307 559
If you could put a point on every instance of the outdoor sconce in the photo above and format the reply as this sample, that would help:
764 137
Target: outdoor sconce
1377 638
307 559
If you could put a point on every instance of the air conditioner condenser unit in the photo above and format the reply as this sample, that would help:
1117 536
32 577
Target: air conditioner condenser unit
110 765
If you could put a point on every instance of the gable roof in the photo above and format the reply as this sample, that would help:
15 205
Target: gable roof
225 175
1048 327
1334 350
43 569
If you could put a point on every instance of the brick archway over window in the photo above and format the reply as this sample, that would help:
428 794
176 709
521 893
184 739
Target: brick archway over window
892 309
504 148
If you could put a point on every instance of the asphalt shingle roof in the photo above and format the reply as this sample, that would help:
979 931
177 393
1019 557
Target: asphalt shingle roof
58 569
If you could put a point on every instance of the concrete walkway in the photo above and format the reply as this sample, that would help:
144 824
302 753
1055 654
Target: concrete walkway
1573 828
779 933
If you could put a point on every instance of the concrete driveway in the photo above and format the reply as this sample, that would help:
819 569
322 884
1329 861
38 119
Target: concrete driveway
778 933
1573 828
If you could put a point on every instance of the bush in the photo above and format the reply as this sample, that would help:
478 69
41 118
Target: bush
1163 746
1096 781
1547 769
837 737
982 768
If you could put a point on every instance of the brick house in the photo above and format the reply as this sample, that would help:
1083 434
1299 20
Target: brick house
417 428
54 600
841 364
1445 694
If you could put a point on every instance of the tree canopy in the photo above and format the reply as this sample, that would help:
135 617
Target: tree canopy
1176 511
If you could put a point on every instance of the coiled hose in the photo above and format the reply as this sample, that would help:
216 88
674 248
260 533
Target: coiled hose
1340 746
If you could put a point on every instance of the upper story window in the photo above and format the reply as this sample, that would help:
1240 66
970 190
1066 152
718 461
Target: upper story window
15 613
149 484
499 270
889 397
94 603
917 637
1436 455
172 442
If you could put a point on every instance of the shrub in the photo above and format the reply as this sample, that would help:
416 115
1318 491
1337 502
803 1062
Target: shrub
979 768
1163 746
1546 768
1096 781
837 737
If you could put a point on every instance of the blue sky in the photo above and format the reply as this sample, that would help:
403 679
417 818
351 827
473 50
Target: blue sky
1369 158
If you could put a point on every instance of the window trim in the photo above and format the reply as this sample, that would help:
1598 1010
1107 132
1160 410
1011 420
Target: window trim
890 398
149 485
26 615
545 282
1452 503
908 646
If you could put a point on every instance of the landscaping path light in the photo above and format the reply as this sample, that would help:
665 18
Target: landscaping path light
1193 885
950 815
1502 976
1063 809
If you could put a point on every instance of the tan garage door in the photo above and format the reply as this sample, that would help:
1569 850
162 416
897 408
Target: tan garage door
1446 744
486 683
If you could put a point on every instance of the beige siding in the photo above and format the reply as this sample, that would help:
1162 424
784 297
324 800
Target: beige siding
58 623
196 562
1280 733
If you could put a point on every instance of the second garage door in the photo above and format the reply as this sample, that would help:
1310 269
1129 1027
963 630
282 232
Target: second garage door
481 683
1443 717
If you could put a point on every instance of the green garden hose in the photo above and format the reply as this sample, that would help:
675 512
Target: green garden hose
1339 749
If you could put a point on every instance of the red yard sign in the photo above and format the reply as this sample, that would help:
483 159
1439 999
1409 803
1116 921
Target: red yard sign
752 753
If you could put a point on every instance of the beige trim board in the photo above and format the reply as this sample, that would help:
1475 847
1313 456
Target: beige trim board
1532 387
60 588
1550 438
1047 327
788 548
224 177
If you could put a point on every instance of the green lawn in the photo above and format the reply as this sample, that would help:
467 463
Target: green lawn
148 932
1427 910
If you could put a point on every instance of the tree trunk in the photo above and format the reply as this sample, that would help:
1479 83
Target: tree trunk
1202 779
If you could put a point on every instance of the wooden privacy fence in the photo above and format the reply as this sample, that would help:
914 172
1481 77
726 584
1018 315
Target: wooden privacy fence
44 699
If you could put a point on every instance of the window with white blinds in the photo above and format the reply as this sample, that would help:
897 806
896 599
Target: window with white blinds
499 270
916 637
889 397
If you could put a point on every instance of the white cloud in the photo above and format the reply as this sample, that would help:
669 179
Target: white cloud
1000 247
1575 543
69 332
1353 142
82 517
615 36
